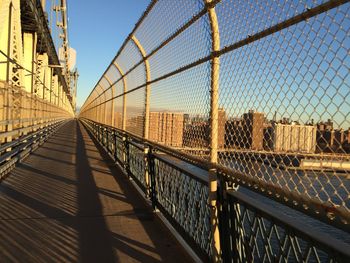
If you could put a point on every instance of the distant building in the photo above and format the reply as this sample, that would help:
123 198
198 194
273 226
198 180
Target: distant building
166 128
339 138
293 138
196 135
246 132
135 125
221 128
332 140
197 131
118 120
233 133
253 130
346 144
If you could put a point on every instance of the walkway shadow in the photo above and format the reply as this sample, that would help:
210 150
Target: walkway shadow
94 238
55 211
163 244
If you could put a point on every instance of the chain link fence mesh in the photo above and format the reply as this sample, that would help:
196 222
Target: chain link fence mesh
283 111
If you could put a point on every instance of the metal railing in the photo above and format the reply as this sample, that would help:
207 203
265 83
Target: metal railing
27 141
251 230
259 90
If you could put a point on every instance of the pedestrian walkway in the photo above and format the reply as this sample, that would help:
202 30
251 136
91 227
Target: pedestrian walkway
68 202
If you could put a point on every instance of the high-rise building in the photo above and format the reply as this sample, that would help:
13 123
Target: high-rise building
167 128
196 135
294 138
221 128
197 131
253 130
118 120
330 139
154 130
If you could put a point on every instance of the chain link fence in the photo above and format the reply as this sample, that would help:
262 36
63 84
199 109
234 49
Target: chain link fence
279 121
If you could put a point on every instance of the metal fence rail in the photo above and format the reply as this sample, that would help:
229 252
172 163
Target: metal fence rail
15 151
262 235
258 91
251 231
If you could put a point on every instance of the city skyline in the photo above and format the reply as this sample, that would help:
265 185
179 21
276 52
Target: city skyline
324 137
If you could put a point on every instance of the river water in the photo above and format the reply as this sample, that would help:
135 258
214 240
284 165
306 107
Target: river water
330 187
325 186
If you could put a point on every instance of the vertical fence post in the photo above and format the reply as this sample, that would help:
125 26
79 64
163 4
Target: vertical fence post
214 91
152 175
98 131
147 102
227 255
148 86
107 139
126 158
115 145
147 181
125 88
103 136
112 101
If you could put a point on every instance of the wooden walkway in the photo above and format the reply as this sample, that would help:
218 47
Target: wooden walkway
67 202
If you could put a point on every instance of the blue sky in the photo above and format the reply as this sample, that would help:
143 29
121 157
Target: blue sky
96 31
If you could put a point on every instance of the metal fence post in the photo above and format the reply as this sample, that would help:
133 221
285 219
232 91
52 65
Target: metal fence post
112 102
148 86
229 252
215 60
152 176
125 88
146 172
98 132
107 139
104 131
126 158
115 146
104 136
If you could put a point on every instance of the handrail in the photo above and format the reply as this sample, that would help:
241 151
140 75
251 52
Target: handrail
335 216
172 179
16 150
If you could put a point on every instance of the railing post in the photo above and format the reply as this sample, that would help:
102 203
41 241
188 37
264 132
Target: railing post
146 173
126 158
98 132
152 176
107 138
214 91
229 253
104 138
115 146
